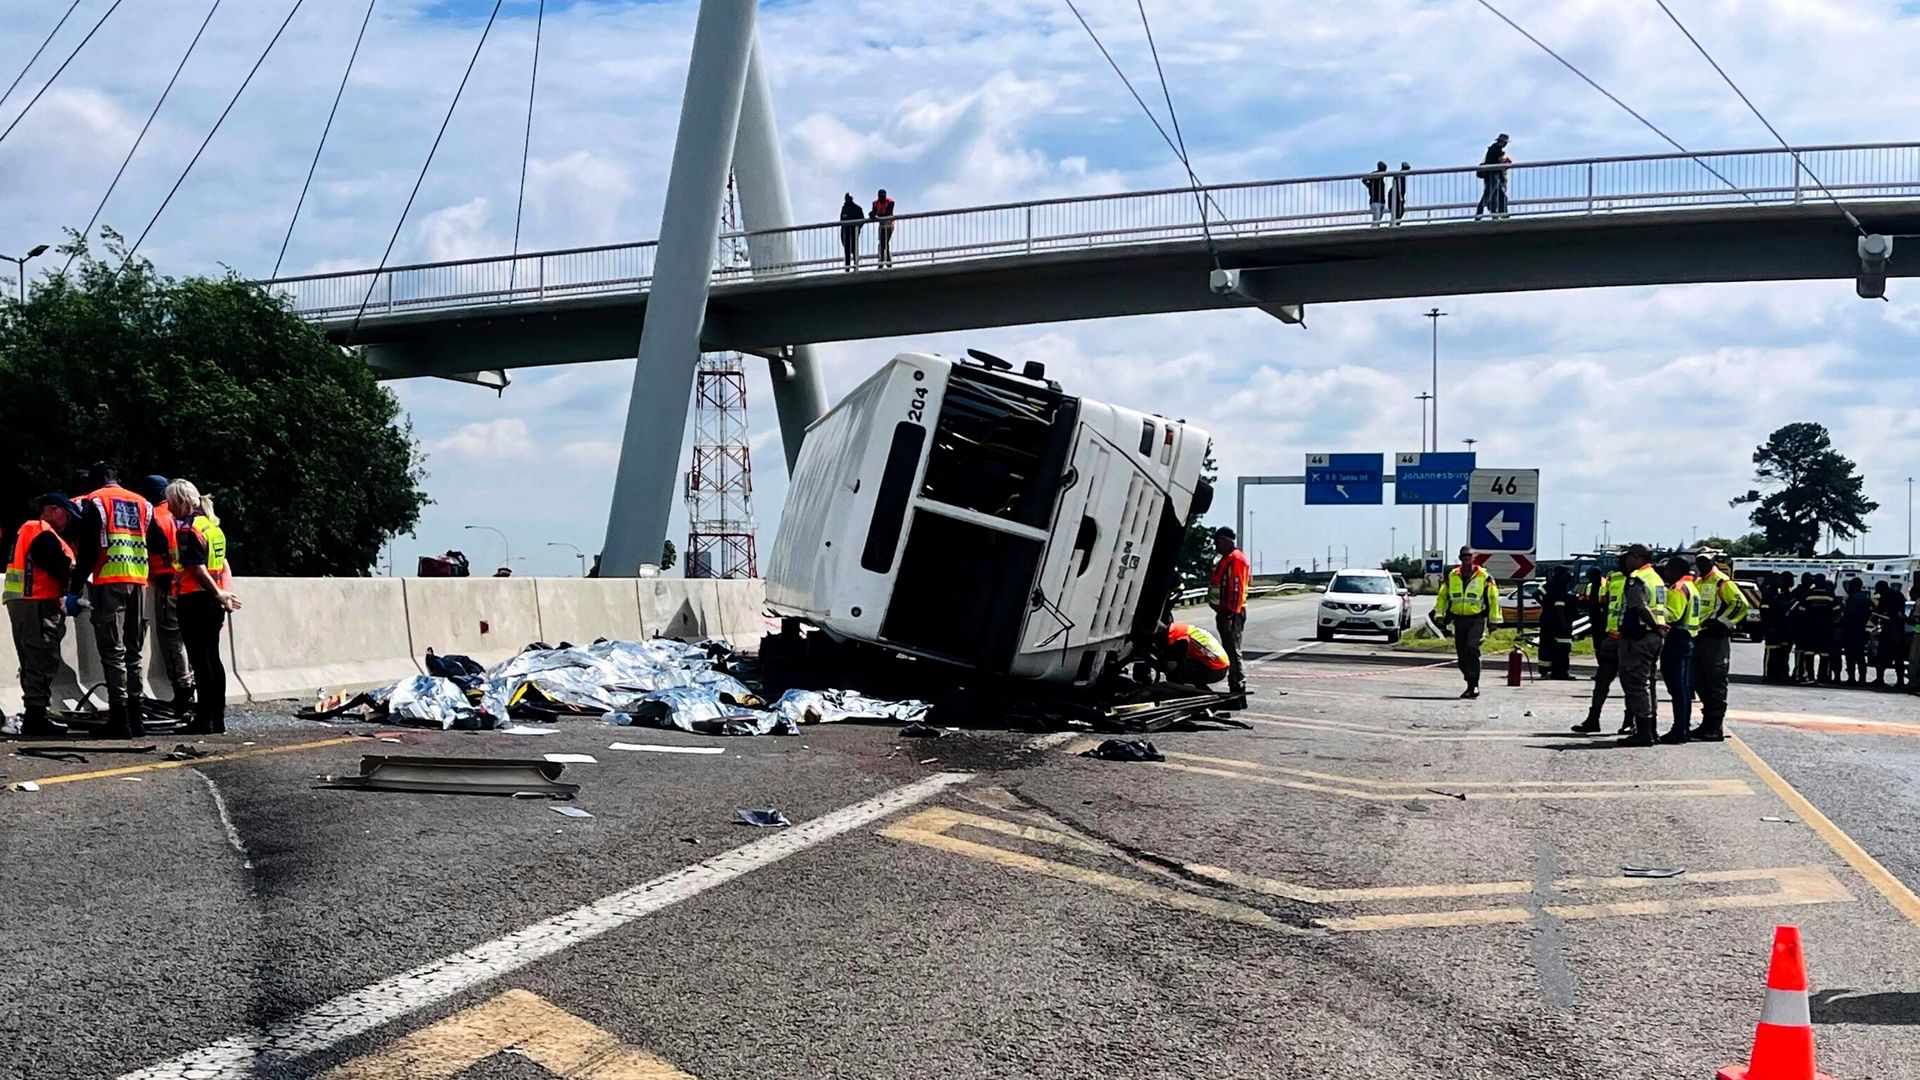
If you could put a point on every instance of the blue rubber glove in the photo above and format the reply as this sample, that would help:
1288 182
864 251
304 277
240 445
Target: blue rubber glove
72 606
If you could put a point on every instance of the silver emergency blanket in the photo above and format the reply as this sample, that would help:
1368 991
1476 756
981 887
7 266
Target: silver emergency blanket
430 701
703 711
826 706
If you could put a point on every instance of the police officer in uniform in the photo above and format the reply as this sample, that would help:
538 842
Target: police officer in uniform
1603 623
1685 607
1723 607
1643 632
1470 601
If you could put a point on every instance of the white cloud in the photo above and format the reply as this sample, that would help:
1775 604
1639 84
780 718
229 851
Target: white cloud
591 452
460 232
505 439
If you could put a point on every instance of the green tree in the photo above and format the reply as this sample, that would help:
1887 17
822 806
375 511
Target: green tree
1814 489
1405 566
1752 543
309 460
1197 556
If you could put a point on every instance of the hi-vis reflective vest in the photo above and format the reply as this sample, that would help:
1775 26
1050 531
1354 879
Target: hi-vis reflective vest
1723 600
1468 597
1198 645
1656 593
215 542
1686 604
160 563
1228 590
23 580
1616 599
123 536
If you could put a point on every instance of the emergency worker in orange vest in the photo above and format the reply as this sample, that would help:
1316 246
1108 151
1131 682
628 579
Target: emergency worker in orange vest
1192 656
38 601
163 562
204 585
1227 595
111 543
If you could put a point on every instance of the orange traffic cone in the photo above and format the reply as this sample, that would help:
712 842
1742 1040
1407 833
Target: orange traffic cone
1783 1043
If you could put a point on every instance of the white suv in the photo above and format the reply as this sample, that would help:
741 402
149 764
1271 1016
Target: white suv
1362 601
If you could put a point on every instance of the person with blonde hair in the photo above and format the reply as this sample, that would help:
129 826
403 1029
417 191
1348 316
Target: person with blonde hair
204 600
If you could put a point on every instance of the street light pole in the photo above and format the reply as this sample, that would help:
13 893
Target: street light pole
1423 399
1434 316
577 553
504 542
1909 517
21 262
1606 530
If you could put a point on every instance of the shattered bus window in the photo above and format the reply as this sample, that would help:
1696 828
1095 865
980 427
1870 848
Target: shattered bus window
995 450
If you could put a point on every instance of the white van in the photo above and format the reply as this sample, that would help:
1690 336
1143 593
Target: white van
965 514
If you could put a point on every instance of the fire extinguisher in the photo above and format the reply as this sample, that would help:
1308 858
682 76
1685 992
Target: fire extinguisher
1515 660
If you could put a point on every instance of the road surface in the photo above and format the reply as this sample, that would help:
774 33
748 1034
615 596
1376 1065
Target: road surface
1376 879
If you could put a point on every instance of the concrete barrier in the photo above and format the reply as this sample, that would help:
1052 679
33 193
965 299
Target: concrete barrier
666 609
488 619
742 603
579 610
295 635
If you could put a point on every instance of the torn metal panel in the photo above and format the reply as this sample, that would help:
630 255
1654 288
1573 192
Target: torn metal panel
519 777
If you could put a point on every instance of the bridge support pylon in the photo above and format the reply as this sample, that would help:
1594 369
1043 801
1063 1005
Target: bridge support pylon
726 118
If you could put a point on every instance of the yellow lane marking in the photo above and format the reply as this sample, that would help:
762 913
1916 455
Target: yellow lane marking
1902 898
1792 885
1355 787
1317 724
156 766
515 1022
1844 725
929 829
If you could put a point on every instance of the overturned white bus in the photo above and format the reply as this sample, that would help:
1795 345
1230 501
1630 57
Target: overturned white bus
964 514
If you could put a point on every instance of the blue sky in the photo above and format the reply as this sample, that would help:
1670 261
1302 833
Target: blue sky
1641 406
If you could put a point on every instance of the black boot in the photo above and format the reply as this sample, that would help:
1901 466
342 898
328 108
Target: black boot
1471 691
1626 727
1640 734
35 721
1589 726
116 723
1676 737
136 717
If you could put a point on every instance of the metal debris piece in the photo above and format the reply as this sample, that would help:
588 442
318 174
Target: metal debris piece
26 785
1652 871
1461 795
517 777
764 819
1782 820
183 752
570 811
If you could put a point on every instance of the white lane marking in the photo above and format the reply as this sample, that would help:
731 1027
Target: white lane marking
363 1010
226 821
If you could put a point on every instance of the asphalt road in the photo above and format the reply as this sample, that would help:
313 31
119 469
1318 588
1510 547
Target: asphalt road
1376 879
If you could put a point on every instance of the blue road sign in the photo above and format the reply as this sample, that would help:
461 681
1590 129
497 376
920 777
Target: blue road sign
1423 479
1501 526
1346 479
1434 567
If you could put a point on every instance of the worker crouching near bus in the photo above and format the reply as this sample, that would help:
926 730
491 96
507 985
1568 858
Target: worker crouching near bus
40 576
202 585
1192 657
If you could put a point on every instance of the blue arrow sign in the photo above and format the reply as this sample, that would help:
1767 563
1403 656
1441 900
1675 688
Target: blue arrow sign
1346 479
1424 479
1501 526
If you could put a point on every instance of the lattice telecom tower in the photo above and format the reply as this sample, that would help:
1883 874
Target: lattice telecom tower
720 542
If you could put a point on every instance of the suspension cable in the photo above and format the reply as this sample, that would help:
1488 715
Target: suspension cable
1651 126
374 278
313 165
1151 118
48 85
526 148
1166 92
231 102
138 139
48 40
1755 109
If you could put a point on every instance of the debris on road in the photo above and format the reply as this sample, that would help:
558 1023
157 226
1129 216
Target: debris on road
1461 795
183 752
764 819
511 728
657 748
570 811
918 730
59 753
516 777
1126 750
1652 871
26 785
1782 820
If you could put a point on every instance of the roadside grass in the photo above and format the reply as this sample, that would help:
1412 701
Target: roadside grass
1497 642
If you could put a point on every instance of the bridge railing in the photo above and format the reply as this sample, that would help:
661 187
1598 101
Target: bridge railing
1585 186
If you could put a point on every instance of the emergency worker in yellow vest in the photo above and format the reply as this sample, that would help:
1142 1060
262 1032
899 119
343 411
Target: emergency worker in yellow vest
163 562
1724 607
1603 625
1643 633
1470 601
111 544
40 576
1685 610
204 584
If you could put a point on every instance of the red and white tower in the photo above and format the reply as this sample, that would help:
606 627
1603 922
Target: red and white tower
720 542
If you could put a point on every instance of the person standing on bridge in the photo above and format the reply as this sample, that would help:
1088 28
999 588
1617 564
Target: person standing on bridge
1493 179
1376 184
204 601
1469 600
883 215
1227 596
1399 196
1723 607
851 218
112 539
1643 634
